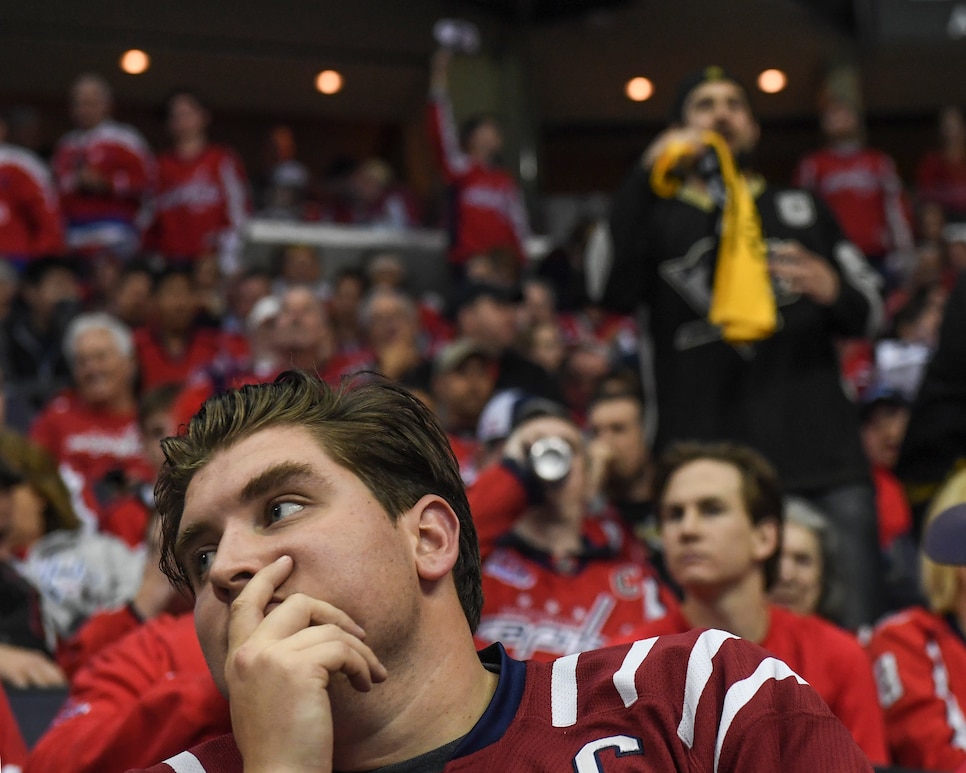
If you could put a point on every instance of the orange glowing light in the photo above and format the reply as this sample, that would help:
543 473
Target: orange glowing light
329 82
135 61
639 89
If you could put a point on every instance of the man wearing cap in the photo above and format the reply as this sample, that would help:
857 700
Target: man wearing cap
919 654
743 289
464 378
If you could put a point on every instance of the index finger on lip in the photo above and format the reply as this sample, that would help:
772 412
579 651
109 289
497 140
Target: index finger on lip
248 609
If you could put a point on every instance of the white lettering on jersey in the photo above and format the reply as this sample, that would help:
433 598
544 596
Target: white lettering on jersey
587 761
887 679
940 678
523 635
126 445
185 762
495 199
699 673
624 679
563 691
741 693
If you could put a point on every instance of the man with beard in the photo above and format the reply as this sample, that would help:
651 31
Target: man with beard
745 288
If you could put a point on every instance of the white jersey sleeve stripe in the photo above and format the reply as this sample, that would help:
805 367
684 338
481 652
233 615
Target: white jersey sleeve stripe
563 691
741 693
624 679
185 762
700 667
940 678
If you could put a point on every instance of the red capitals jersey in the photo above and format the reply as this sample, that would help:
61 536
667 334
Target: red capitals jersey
487 211
200 202
699 702
29 210
89 442
158 366
919 661
118 153
13 751
540 607
144 697
863 189
943 181
821 653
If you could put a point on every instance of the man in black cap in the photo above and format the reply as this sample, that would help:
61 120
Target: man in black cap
744 288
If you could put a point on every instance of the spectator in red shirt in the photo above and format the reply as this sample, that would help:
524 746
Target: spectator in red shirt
92 429
348 289
941 174
919 654
557 581
721 512
202 199
104 170
488 212
859 184
173 344
30 222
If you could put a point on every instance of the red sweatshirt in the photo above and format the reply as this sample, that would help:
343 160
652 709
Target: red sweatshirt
29 210
142 699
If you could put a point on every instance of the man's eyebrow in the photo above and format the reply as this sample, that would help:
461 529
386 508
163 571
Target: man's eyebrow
274 477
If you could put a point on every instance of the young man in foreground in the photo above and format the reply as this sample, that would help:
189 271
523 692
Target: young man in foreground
328 543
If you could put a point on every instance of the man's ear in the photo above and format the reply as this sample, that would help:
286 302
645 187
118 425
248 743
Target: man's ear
435 529
767 539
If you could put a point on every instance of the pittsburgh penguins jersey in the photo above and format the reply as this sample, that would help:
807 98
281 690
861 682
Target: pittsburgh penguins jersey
701 701
659 258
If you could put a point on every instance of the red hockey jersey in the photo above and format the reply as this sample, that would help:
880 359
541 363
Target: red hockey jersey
919 661
29 210
487 209
540 607
863 189
140 700
822 654
88 442
200 203
118 153
698 702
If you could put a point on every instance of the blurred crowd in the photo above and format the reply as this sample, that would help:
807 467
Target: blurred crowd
125 302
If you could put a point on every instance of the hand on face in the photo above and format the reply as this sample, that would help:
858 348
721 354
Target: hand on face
282 657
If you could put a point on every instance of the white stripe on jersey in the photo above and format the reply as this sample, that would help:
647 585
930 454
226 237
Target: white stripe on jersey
700 667
185 762
741 693
624 679
563 691
940 678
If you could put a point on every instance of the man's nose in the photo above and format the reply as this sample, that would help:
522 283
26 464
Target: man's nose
241 552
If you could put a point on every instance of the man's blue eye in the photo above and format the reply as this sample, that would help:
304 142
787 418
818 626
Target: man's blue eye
281 510
203 561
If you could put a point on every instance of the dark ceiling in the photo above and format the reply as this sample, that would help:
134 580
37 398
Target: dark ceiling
258 56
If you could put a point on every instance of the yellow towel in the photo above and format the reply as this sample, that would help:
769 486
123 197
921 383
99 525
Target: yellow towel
742 300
